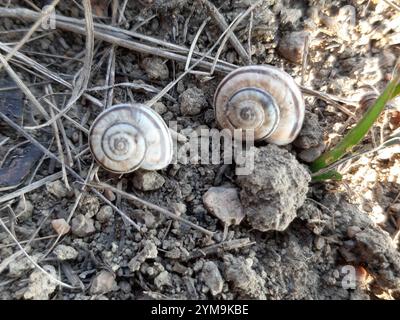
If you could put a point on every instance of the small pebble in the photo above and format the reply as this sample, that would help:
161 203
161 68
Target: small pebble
319 243
163 279
155 68
212 278
64 252
352 231
60 226
57 189
105 214
103 282
81 226
89 205
160 108
24 210
395 208
224 203
147 180
149 251
109 195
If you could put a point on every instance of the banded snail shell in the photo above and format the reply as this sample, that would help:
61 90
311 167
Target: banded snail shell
126 137
261 98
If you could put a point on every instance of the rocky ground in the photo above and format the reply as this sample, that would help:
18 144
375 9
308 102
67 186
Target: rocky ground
277 234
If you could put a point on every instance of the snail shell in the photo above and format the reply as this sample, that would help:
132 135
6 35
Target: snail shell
126 137
260 98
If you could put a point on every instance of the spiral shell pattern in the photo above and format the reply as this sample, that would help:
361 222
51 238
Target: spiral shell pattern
126 137
262 98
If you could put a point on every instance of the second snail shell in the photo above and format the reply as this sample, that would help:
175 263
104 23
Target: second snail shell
263 99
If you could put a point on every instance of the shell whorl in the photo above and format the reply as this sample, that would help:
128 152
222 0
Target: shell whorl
260 98
126 137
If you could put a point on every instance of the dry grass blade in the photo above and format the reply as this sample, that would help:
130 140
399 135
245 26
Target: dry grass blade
33 261
23 87
69 169
392 4
230 30
220 247
49 91
60 150
333 100
4 142
37 84
194 42
51 104
102 33
110 78
150 205
84 74
26 241
46 13
223 25
30 187
223 35
46 72
249 36
135 85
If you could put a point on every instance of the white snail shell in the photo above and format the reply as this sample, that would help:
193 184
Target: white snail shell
261 98
126 137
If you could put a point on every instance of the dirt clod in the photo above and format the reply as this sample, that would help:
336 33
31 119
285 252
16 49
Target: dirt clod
149 251
291 46
155 68
41 286
163 279
20 265
192 101
89 205
243 278
275 190
310 139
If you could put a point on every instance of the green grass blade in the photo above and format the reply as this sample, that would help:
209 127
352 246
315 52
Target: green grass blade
361 129
330 175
